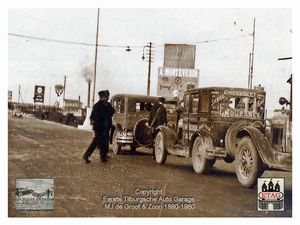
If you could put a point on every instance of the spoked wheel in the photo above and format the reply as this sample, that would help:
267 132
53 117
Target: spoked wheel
160 150
249 163
199 160
115 146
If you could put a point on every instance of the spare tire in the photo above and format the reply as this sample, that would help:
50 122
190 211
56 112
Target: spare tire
142 133
231 142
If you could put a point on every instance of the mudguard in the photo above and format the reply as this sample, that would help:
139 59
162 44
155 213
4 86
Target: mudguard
270 156
169 137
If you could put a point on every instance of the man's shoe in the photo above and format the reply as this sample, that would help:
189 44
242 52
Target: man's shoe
104 159
86 159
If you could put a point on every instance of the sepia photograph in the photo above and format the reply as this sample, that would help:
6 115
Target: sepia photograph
150 112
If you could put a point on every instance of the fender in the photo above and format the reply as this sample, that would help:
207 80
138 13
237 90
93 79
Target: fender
270 156
169 137
114 127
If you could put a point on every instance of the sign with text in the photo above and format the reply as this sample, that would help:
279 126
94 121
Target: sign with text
9 96
173 82
39 93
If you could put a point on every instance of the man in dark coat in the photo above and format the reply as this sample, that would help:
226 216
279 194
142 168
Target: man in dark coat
157 116
101 120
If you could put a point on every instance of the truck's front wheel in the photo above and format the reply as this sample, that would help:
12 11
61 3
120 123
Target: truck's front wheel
160 150
199 160
248 163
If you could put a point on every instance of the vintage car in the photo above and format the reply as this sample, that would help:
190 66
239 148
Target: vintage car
130 122
39 193
17 111
227 123
23 191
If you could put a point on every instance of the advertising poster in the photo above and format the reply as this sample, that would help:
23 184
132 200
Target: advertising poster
225 150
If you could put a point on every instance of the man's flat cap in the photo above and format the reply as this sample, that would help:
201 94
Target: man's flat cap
103 93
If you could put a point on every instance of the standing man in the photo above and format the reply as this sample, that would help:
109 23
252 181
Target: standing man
101 120
157 116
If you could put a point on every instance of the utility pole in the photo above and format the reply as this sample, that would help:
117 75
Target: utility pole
150 52
96 53
65 81
252 58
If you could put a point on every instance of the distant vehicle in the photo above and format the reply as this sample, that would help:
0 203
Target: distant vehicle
229 124
17 111
130 122
23 191
39 193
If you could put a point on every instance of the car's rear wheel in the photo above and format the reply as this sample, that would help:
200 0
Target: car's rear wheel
160 150
198 158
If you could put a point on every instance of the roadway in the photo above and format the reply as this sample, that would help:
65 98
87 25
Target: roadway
42 149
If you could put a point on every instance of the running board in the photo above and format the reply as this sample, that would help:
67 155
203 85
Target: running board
215 152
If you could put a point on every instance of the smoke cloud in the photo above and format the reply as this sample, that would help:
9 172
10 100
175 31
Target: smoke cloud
87 69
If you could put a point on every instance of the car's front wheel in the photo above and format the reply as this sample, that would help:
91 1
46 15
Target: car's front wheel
248 163
115 146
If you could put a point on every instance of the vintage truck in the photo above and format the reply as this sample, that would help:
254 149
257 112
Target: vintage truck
229 124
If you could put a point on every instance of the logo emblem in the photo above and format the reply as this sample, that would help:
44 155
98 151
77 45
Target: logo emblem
270 194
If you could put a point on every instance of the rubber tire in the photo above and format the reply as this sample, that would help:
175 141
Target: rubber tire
116 148
159 149
198 158
248 163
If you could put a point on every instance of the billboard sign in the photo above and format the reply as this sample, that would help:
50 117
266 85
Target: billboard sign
39 93
179 56
9 96
173 82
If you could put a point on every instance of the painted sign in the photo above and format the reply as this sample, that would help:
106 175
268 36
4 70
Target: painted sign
39 93
173 82
230 103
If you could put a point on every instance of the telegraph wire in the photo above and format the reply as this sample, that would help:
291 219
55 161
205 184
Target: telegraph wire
114 46
64 42
224 39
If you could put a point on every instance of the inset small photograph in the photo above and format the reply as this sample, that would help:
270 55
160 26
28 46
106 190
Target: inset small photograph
34 194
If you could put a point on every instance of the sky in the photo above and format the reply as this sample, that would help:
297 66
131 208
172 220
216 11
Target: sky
47 44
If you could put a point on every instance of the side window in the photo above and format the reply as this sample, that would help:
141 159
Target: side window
118 104
195 103
148 106
186 99
137 106
204 103
140 106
